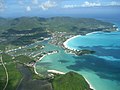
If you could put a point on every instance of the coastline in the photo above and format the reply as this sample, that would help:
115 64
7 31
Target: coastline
59 72
41 59
65 46
93 33
65 43
35 64
55 72
89 84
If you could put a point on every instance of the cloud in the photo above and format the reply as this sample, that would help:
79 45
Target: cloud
71 6
48 4
2 6
91 4
28 8
113 3
85 4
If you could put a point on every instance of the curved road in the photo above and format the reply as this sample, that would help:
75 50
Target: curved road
5 72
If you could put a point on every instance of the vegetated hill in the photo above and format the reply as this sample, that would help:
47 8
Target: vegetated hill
21 23
76 24
53 24
70 81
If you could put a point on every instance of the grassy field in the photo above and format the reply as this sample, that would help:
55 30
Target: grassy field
23 59
14 76
70 81
2 77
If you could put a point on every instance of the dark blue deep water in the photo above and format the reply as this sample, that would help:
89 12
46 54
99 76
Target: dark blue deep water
106 61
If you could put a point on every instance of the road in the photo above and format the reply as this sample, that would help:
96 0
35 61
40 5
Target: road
7 78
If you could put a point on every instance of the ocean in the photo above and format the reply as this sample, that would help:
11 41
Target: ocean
101 69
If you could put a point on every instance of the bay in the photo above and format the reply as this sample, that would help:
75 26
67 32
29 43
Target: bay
102 69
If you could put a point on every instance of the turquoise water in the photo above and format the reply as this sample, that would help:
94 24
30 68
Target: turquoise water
102 69
95 39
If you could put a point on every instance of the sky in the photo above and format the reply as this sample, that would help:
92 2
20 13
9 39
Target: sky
46 8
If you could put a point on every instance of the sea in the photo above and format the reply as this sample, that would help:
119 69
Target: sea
101 69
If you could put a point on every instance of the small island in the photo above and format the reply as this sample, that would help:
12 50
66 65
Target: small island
79 52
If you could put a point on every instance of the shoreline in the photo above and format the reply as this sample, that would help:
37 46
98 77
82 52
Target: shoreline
65 46
41 59
55 72
35 64
59 72
93 32
89 84
65 43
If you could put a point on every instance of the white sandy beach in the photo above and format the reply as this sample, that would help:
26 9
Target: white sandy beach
36 62
65 43
93 32
89 84
55 71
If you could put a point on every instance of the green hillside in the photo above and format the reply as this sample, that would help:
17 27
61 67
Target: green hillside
68 24
22 23
70 81
53 24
